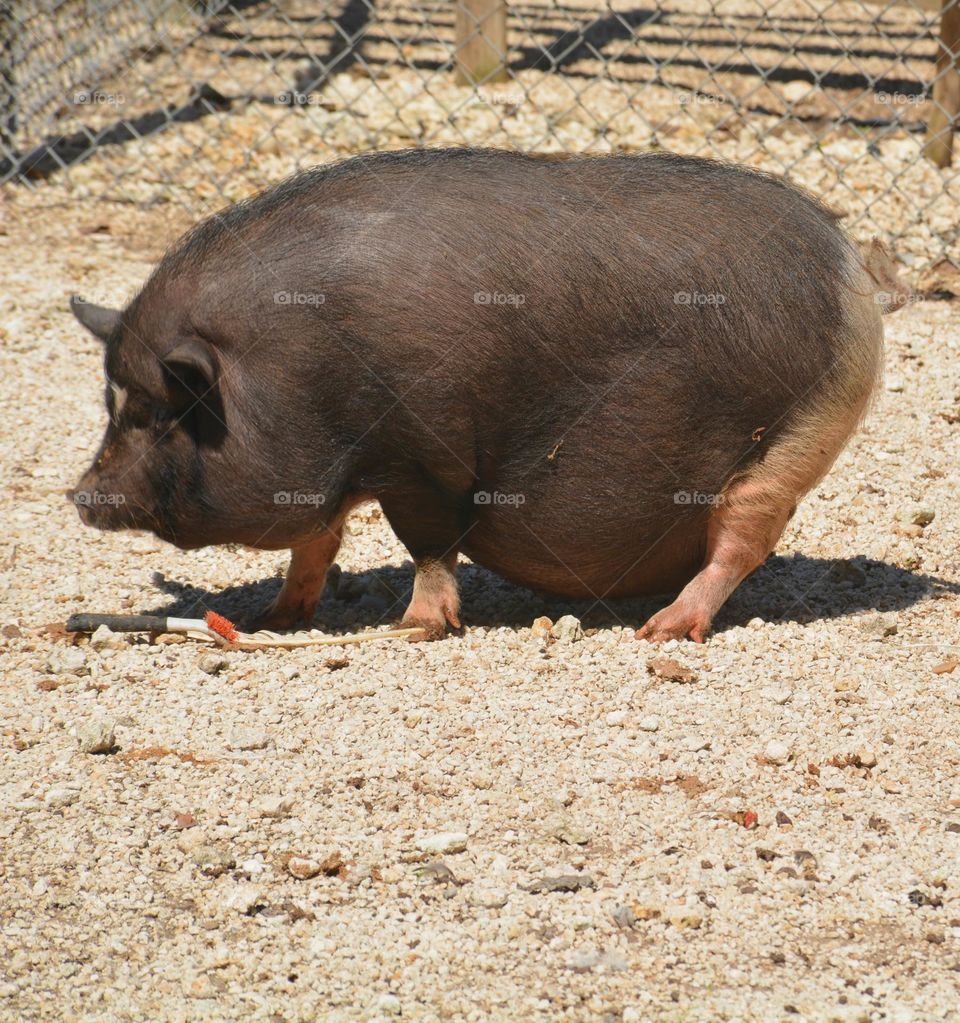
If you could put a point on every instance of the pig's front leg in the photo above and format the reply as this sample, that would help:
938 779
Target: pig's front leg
304 582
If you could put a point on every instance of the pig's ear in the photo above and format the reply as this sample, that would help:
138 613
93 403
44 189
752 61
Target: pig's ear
100 321
193 364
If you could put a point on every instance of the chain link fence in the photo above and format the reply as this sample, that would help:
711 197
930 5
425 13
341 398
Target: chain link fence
160 101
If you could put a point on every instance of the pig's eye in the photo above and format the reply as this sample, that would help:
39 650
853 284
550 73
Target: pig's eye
162 418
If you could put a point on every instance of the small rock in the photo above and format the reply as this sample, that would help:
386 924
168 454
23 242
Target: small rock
249 740
780 694
805 859
106 639
388 1003
670 670
937 936
567 830
832 778
275 807
650 723
782 819
583 960
866 758
563 883
303 868
212 861
333 864
914 516
776 752
694 743
921 898
880 625
624 916
199 986
894 383
67 660
952 828
437 872
56 798
567 629
443 844
488 898
244 898
251 869
95 736
615 718
542 627
612 962
797 91
212 664
684 917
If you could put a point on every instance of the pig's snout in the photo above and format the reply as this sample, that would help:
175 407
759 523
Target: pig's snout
98 506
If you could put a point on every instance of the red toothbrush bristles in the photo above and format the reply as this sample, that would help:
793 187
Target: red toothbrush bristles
221 626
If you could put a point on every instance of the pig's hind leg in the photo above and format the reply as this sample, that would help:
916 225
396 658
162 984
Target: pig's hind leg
304 581
436 600
427 523
740 535
757 504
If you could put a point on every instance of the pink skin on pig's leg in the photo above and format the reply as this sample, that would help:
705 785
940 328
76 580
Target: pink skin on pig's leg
740 535
304 582
436 600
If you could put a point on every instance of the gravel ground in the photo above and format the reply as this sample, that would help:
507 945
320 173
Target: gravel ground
766 828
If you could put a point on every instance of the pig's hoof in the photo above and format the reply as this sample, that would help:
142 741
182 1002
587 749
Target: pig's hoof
432 629
674 623
279 617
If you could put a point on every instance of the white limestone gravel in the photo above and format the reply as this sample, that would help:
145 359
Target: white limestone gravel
775 837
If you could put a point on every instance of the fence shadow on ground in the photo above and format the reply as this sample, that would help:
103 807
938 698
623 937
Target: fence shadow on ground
594 44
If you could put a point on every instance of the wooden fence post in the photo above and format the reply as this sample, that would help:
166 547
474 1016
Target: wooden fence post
481 41
946 89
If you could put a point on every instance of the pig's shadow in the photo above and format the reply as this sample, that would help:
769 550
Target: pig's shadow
795 589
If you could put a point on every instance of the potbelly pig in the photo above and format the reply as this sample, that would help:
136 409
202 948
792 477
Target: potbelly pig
597 377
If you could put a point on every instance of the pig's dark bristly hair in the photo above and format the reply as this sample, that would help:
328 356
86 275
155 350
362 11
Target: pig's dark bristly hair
288 195
595 392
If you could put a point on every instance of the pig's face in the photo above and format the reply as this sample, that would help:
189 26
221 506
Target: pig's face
166 420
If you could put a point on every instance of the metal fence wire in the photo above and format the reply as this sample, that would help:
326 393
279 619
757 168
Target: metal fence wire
152 101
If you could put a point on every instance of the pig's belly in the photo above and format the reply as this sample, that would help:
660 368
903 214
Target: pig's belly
582 559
